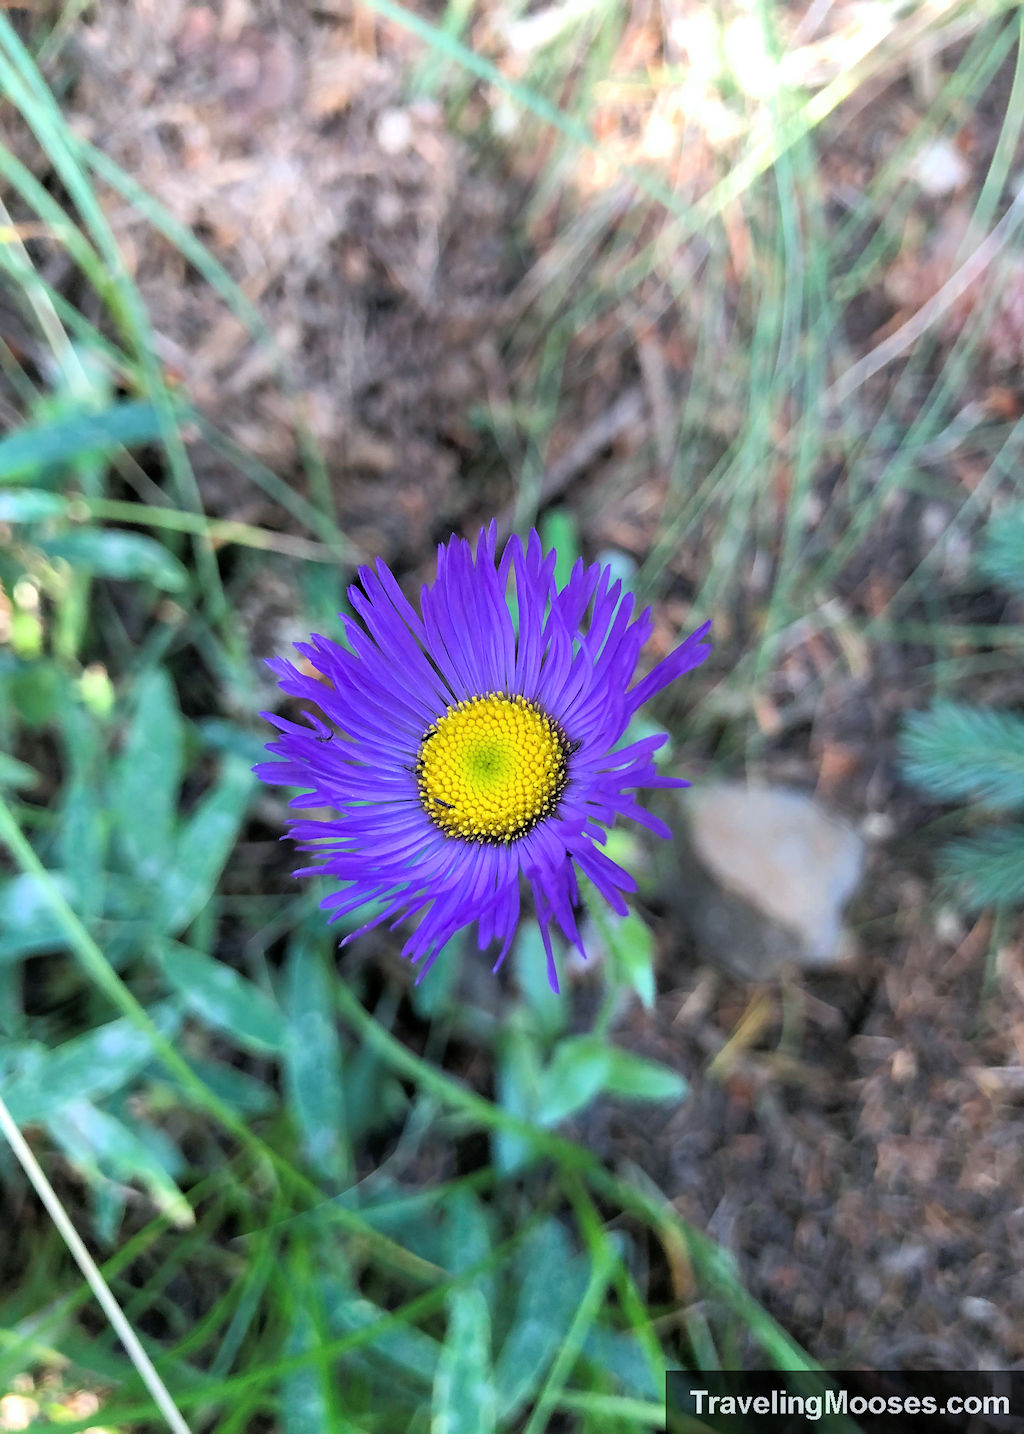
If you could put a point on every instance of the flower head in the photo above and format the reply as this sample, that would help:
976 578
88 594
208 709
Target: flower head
471 753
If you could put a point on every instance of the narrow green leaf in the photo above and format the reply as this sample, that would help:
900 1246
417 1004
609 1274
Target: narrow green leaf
224 998
620 1354
437 994
578 1072
373 1098
549 1282
313 1060
203 846
221 736
31 505
468 1239
518 1076
304 1405
242 1092
632 951
27 922
637 1077
32 450
464 1395
83 841
403 1350
84 817
147 777
602 1262
109 1202
119 554
88 1067
101 1144
411 1219
15 774
559 530
13 1022
550 1011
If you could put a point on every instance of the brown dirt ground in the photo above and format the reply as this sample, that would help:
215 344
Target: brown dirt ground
861 1153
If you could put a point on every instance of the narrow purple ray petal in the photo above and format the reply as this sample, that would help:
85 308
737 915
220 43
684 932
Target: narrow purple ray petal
686 657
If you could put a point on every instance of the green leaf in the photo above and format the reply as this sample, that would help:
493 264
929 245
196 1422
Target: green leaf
468 1239
620 1354
518 1077
221 736
87 1068
632 951
83 840
559 530
116 553
313 1075
304 1406
103 1146
548 1285
32 450
640 1079
203 846
436 992
549 1010
15 774
587 1066
957 751
578 1072
84 816
147 777
13 1023
242 1092
410 1218
324 592
464 1395
404 1350
224 998
31 505
373 1098
109 1202
28 923
36 691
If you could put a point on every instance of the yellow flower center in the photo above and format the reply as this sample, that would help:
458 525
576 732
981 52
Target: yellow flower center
491 768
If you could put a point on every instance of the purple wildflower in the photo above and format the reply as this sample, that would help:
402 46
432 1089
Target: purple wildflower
467 753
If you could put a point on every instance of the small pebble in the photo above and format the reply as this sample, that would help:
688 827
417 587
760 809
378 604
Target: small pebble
939 168
394 131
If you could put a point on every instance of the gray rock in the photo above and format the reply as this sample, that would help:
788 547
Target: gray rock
760 876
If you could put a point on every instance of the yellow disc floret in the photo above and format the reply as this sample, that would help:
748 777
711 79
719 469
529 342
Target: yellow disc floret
491 768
